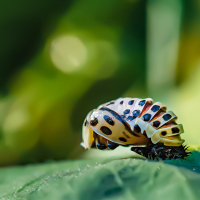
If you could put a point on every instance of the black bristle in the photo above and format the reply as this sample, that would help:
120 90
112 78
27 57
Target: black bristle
160 151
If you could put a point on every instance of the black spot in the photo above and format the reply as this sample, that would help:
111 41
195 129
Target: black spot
175 130
155 108
137 129
123 116
94 122
136 113
163 133
131 102
130 118
120 119
112 102
86 123
141 103
109 120
106 130
126 135
147 117
127 111
156 124
121 102
123 139
166 117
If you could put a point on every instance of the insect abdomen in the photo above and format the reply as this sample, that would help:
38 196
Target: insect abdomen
131 121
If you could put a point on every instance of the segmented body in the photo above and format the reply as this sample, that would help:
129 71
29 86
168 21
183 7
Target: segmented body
131 121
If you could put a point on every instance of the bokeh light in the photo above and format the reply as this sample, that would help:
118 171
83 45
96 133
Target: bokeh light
68 53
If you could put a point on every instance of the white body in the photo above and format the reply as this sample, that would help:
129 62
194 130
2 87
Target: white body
153 123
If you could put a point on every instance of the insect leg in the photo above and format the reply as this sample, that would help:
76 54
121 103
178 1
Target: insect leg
100 142
112 145
143 151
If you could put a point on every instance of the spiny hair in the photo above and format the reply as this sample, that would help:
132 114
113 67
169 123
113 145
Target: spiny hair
161 152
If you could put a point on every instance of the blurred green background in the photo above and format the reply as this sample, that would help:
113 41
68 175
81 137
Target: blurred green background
60 59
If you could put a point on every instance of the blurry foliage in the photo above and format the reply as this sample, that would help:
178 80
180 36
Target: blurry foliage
25 25
189 51
60 59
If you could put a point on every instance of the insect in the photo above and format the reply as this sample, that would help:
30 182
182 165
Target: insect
135 122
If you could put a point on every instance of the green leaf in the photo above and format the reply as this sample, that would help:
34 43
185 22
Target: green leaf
130 178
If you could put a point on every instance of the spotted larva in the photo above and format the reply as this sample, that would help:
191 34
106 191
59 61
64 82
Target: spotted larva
133 121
